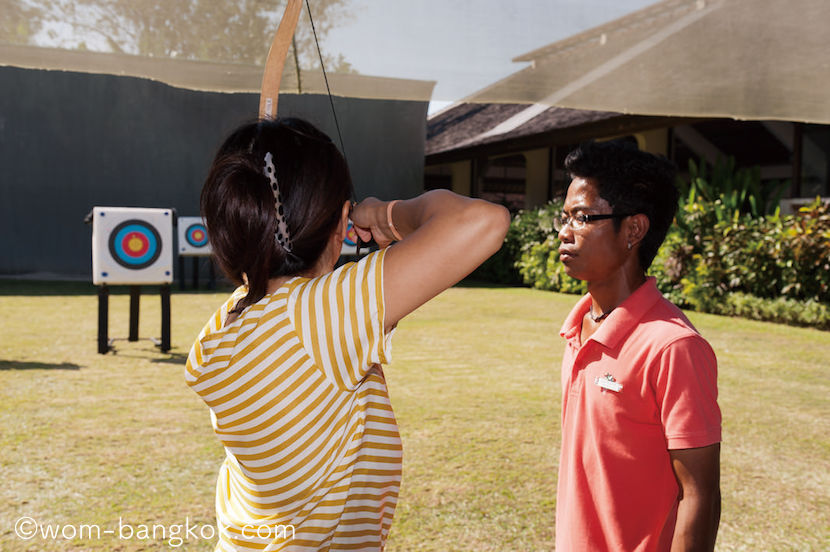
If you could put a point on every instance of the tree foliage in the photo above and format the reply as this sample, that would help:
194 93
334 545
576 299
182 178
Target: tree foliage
238 31
19 21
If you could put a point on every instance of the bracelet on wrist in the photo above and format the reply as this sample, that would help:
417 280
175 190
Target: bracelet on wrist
389 222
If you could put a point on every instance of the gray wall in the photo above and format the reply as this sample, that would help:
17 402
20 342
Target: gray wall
71 141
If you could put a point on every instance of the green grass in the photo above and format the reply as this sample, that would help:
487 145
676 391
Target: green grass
89 439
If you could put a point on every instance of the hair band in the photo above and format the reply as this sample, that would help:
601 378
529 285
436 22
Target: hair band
282 235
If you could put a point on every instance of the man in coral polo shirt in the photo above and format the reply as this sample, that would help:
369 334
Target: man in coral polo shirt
641 428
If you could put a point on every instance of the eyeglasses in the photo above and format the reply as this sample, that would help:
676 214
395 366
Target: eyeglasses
579 221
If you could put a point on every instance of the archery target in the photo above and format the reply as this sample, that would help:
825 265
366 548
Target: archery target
349 246
135 244
132 245
193 237
196 235
351 235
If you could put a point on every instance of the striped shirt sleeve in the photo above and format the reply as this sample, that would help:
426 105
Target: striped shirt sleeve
204 345
339 320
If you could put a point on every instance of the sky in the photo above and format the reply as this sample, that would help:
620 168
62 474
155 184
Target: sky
464 45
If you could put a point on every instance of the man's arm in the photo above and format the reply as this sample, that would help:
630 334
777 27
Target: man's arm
698 513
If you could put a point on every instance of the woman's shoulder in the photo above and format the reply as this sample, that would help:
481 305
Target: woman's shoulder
271 301
351 284
364 268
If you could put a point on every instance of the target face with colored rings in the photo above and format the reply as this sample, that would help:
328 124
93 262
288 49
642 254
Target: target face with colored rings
135 244
351 235
196 235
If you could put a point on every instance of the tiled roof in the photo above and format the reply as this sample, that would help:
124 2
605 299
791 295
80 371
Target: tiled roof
465 124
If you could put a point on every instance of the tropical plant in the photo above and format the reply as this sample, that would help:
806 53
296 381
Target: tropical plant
768 257
529 227
739 191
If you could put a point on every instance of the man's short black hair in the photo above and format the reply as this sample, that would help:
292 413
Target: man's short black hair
631 181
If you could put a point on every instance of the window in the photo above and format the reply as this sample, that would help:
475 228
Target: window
815 161
504 181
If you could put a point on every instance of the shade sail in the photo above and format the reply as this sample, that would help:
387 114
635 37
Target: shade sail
746 59
214 76
221 46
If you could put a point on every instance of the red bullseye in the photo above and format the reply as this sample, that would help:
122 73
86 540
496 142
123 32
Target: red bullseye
135 244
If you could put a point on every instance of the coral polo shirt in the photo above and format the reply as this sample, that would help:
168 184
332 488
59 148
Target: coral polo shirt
644 383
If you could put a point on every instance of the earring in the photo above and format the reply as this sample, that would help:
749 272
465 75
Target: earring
629 245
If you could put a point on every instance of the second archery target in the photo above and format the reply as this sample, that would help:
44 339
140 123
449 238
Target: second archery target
132 246
193 237
349 246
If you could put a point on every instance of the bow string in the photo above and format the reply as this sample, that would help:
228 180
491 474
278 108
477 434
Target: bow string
275 63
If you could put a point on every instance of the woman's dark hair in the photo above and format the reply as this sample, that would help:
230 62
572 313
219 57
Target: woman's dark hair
631 181
238 205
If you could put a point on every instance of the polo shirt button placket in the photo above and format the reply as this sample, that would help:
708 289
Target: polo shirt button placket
578 370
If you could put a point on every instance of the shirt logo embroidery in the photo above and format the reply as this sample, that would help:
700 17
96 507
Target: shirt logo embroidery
608 382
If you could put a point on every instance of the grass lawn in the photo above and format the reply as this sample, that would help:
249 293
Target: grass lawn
91 439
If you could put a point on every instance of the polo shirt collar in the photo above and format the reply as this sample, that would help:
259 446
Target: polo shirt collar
620 321
573 323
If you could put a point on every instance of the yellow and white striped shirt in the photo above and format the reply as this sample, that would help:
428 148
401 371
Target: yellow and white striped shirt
299 401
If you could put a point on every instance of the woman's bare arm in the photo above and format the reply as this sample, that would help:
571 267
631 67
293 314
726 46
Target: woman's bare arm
445 237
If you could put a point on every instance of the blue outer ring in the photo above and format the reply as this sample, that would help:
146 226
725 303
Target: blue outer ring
142 227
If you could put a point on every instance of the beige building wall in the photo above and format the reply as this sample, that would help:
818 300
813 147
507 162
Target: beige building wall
537 170
536 177
462 173
654 141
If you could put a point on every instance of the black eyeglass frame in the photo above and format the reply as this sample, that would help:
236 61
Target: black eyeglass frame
562 221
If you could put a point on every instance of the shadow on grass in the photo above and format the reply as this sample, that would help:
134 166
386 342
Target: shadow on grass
171 358
45 288
21 365
178 359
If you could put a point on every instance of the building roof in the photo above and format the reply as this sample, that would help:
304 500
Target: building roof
466 130
467 125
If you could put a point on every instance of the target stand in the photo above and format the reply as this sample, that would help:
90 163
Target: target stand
105 343
132 246
193 242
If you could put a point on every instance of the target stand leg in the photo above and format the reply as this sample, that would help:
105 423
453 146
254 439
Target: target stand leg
165 318
182 285
135 300
195 272
103 319
212 273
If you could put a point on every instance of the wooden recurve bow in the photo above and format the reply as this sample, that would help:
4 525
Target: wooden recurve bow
276 60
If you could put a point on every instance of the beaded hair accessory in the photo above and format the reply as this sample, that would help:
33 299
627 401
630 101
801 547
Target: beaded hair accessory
282 235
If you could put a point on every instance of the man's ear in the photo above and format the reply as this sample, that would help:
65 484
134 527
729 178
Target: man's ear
636 228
